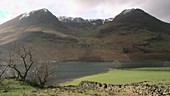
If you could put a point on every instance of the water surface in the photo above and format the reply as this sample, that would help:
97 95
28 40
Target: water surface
67 71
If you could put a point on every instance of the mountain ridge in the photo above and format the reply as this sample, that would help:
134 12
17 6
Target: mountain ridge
131 35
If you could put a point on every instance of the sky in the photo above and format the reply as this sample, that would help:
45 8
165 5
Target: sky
89 9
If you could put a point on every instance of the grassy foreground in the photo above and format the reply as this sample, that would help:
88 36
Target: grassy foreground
128 76
159 76
11 87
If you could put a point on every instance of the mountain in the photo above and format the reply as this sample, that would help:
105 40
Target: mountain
138 34
82 25
131 35
38 18
41 20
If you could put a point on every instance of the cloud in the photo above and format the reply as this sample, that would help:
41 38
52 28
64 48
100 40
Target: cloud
160 9
85 8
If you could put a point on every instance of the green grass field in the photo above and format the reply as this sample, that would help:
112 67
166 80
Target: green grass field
11 87
128 76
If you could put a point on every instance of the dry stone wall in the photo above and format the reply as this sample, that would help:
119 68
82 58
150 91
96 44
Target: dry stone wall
136 88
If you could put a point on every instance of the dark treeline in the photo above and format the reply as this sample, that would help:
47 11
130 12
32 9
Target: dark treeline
143 64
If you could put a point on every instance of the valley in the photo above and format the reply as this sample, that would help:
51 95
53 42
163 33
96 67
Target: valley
48 55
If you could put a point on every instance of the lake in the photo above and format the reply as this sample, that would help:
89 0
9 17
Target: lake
67 71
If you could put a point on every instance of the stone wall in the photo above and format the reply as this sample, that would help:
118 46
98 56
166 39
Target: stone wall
136 88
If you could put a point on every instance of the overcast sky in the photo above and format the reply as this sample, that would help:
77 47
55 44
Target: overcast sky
84 8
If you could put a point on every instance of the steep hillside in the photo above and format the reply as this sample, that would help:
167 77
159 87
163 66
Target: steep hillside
41 20
41 30
138 34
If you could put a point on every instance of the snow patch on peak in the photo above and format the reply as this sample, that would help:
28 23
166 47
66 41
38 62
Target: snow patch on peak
127 11
109 19
65 19
45 10
32 12
90 20
71 19
24 16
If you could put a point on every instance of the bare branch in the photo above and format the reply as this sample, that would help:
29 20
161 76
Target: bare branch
3 71
21 55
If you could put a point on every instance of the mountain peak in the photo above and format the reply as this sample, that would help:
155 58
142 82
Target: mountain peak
36 18
132 15
44 9
127 11
25 15
133 10
40 10
137 19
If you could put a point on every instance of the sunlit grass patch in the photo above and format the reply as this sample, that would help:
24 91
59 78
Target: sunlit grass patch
128 76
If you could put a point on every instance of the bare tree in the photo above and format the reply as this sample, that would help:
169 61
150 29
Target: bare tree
20 56
42 73
21 59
